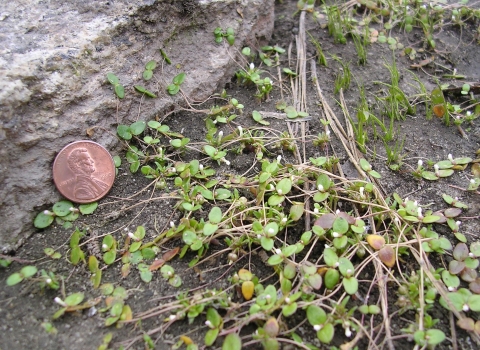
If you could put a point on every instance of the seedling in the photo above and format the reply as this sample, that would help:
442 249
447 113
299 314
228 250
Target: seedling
174 87
118 88
229 34
25 273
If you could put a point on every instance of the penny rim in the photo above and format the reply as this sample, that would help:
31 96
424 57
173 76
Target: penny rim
83 171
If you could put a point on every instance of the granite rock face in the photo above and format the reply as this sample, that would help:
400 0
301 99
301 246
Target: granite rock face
54 57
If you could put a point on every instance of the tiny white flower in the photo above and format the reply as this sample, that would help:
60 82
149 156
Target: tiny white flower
337 212
420 163
48 280
317 327
348 332
279 158
60 302
362 189
415 203
315 211
320 188
471 255
436 167
458 223
220 134
104 246
469 114
252 66
200 167
71 209
226 161
349 271
280 192
472 181
335 234
271 187
271 231
172 317
451 289
327 132
450 158
169 273
278 251
47 212
465 307
326 246
172 224
131 235
419 212
240 129
284 220
337 264
215 121
287 300
259 236
268 297
209 324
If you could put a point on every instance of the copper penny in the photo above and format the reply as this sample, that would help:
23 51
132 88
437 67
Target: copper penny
83 171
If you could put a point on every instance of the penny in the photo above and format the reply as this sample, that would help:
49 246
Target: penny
83 171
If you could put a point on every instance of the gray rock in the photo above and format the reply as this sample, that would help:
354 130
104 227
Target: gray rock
54 57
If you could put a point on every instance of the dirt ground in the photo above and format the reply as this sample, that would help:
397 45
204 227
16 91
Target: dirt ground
25 307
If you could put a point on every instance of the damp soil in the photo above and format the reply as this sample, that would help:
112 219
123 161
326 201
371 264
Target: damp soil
24 307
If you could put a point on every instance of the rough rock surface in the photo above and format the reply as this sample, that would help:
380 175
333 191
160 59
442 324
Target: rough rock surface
54 56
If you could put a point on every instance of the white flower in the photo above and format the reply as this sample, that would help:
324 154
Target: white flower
337 264
226 161
240 130
420 163
172 224
315 211
336 234
349 272
320 188
348 332
436 167
279 158
362 189
104 246
471 255
200 167
450 158
317 327
259 236
419 212
451 289
337 212
271 231
472 181
271 187
71 209
252 66
287 300
469 114
172 317
60 302
267 296
465 307
48 280
209 324
220 134
47 212
327 132
284 220
278 251
280 192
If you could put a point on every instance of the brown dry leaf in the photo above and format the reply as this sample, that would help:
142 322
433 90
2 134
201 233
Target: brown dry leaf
476 170
156 264
170 254
240 11
466 323
439 110
90 132
125 270
247 289
186 340
127 314
423 62
387 256
376 241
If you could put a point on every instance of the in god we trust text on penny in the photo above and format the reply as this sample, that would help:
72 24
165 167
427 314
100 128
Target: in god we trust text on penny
83 171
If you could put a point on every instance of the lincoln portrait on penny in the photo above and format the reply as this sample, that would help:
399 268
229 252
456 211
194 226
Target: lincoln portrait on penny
86 185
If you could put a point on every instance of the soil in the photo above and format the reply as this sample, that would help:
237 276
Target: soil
24 307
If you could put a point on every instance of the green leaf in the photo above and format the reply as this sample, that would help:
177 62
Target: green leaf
284 186
211 336
179 78
274 260
290 250
147 75
296 211
42 220
232 342
434 336
215 215
120 91
173 89
148 253
141 89
214 318
86 209
112 78
146 276
62 208
340 225
267 243
138 127
350 284
151 65
275 200
289 309
346 267
14 279
124 132
474 303
109 257
209 229
331 278
316 315
271 229
74 299
330 257
325 335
